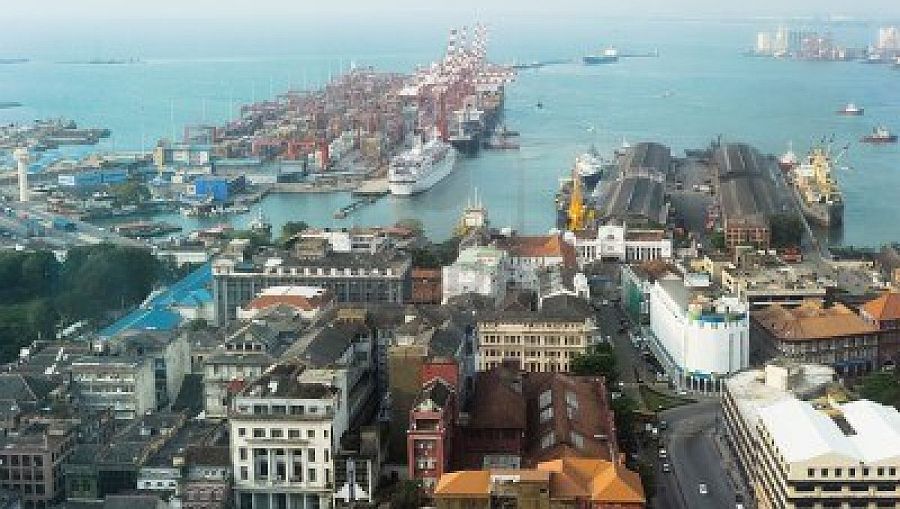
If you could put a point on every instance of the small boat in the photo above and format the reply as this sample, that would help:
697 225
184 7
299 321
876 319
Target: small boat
540 105
880 134
851 110
788 161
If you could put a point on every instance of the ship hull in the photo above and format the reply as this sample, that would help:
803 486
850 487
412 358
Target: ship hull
880 139
824 214
425 182
468 146
599 60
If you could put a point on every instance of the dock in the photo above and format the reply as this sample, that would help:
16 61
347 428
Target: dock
372 187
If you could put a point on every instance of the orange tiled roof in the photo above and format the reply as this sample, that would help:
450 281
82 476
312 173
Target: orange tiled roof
540 246
811 320
886 307
465 484
599 480
294 301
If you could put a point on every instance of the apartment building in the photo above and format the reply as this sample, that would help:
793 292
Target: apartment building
883 313
31 463
431 434
478 269
127 386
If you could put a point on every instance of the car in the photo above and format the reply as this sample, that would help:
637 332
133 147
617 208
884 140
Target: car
682 392
663 425
663 453
666 468
703 488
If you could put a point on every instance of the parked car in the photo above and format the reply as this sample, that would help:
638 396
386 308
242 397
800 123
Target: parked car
703 489
666 468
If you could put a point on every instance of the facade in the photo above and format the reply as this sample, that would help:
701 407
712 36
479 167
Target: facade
615 241
225 374
636 281
745 393
426 286
307 302
282 434
479 269
348 277
537 340
883 313
357 467
430 437
207 478
527 255
31 463
763 285
564 483
167 353
125 386
818 333
842 454
699 336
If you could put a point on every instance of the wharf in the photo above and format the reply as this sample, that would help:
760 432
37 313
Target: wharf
372 187
308 187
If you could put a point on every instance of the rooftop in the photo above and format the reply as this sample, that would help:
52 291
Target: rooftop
540 246
634 198
646 157
885 307
745 189
282 381
811 320
302 297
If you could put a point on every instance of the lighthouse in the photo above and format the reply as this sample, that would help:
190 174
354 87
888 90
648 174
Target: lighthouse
21 155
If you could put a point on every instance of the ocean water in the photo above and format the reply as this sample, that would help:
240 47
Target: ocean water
699 88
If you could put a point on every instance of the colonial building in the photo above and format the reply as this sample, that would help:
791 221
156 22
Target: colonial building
31 463
282 434
238 276
529 254
615 241
883 313
816 332
536 339
478 269
563 483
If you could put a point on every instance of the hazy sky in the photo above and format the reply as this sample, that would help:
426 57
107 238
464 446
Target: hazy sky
262 9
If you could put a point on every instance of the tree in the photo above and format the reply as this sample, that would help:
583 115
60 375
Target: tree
787 230
598 360
407 495
717 240
292 228
882 387
132 192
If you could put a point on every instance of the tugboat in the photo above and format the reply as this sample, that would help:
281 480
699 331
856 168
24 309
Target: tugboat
788 161
880 134
851 110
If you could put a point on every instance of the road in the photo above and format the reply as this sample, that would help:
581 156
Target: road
84 233
695 459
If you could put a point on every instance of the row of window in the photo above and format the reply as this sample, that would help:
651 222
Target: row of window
296 454
292 433
510 354
23 460
851 472
259 409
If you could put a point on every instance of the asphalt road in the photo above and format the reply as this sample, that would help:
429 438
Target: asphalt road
694 459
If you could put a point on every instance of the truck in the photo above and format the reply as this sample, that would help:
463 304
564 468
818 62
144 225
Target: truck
63 224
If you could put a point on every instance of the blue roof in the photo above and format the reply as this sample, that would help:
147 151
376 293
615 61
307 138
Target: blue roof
156 313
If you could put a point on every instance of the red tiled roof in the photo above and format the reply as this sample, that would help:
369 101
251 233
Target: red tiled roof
886 307
539 246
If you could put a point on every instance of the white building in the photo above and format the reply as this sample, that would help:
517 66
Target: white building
617 242
528 255
833 456
307 302
888 38
478 269
125 386
283 433
699 337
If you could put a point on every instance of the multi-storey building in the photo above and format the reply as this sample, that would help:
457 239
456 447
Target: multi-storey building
348 277
430 436
207 478
698 335
477 269
357 467
637 281
817 332
538 340
127 386
283 433
527 255
883 313
614 241
31 463
167 353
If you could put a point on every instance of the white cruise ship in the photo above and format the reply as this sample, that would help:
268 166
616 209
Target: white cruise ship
421 167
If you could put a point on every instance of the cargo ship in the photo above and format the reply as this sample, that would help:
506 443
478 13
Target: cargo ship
851 110
589 167
609 56
788 161
819 195
880 134
421 167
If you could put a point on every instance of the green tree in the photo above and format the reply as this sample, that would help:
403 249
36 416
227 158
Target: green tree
787 230
292 228
132 192
717 240
883 387
407 495
598 360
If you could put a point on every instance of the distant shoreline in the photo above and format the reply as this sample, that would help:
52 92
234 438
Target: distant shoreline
9 61
6 105
103 61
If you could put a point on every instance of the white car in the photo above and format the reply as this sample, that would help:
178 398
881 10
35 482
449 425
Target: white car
703 489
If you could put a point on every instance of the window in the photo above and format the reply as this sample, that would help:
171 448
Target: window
311 455
892 471
880 471
824 472
547 414
851 472
243 453
810 472
310 433
276 433
326 455
311 474
293 433
259 433
244 475
838 472
865 470
242 432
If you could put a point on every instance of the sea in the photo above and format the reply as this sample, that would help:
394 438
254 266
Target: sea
700 87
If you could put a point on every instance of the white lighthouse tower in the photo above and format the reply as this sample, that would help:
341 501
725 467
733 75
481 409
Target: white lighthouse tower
21 155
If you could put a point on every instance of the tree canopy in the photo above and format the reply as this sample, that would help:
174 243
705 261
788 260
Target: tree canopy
598 360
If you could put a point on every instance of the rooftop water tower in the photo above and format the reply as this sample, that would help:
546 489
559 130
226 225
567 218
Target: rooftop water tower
21 155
